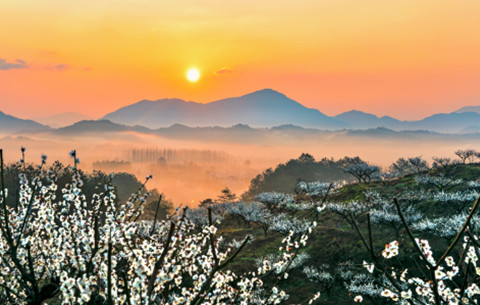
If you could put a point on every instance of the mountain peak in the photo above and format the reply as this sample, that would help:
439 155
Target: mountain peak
10 124
468 109
262 108
265 93
354 111
356 114
268 91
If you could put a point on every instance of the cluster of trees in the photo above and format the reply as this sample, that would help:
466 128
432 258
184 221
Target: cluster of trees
436 205
138 155
365 172
411 211
468 155
433 274
124 184
82 239
286 175
305 168
270 211
226 195
439 271
78 250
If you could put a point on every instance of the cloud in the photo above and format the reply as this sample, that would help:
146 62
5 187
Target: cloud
17 64
224 70
59 67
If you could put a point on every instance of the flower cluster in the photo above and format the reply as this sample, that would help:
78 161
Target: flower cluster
390 250
82 251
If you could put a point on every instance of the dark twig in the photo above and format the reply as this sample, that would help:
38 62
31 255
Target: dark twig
211 238
460 233
6 225
159 262
156 214
410 234
109 271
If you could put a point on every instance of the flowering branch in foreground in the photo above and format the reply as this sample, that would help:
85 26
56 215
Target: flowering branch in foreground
96 253
451 279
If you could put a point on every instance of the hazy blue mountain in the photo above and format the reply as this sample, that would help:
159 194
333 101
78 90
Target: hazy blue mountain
360 120
62 119
10 124
100 126
471 129
445 122
261 109
264 108
442 122
382 132
242 133
469 109
269 108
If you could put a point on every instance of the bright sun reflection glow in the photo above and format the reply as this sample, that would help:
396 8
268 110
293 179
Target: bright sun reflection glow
193 74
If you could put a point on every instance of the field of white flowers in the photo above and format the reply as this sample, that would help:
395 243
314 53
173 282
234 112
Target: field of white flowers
69 250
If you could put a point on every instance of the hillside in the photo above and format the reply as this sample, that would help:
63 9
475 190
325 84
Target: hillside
286 176
11 124
323 236
335 245
97 127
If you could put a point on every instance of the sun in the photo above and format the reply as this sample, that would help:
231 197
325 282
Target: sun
193 75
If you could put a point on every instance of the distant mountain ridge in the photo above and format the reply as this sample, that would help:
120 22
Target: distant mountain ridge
361 120
264 108
98 126
455 122
241 133
12 124
475 109
269 108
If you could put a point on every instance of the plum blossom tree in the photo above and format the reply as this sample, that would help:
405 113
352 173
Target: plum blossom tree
409 166
418 164
348 209
385 176
444 279
316 190
466 155
97 252
362 171
440 183
447 226
251 213
383 211
443 164
275 200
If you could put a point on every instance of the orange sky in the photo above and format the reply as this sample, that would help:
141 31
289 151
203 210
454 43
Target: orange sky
405 58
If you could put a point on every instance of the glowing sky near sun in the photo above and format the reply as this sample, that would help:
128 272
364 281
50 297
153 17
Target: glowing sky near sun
405 58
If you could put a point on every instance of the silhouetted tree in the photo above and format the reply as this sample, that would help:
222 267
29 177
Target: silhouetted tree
362 171
466 155
206 203
226 196
304 157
